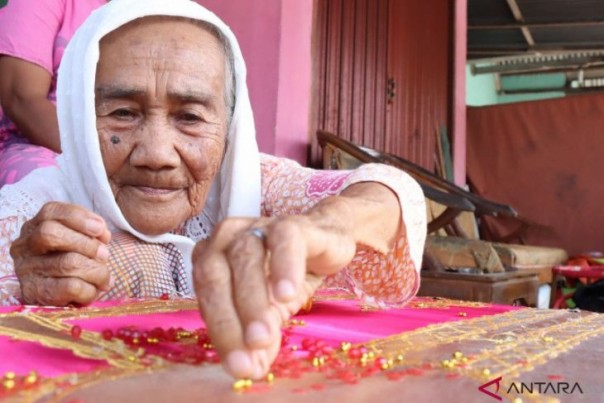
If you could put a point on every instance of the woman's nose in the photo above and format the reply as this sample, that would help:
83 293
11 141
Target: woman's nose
156 146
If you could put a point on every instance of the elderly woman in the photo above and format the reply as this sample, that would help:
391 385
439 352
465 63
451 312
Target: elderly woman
161 189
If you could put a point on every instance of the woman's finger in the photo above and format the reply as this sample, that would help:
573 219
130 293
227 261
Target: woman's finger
75 217
212 280
38 290
53 236
288 254
66 265
247 258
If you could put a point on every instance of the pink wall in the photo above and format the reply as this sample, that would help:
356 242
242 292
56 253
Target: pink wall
275 38
295 80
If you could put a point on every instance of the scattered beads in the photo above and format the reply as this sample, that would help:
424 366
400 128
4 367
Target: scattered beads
462 314
76 331
31 378
241 385
9 384
12 383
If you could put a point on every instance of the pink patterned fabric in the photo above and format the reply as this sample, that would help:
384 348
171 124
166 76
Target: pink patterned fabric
326 183
19 159
331 321
35 31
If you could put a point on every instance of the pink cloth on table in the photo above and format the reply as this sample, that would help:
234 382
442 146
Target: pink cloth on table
333 322
37 32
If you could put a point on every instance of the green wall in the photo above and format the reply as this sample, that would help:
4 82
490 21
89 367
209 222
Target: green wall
481 89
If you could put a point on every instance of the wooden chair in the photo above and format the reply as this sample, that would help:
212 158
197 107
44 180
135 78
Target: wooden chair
511 272
453 204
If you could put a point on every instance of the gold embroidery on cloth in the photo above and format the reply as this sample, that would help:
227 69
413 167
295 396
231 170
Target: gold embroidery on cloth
485 347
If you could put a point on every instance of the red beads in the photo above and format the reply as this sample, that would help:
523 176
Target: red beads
76 331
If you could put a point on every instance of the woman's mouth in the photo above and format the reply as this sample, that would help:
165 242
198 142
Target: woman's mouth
155 191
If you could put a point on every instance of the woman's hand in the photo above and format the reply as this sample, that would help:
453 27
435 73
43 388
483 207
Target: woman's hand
60 256
248 285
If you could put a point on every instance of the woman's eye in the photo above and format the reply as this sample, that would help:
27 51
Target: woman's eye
190 118
123 113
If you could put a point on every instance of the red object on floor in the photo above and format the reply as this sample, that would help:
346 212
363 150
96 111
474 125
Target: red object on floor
572 275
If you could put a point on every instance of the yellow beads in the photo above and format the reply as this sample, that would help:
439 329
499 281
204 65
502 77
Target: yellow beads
8 383
447 364
318 362
345 346
457 359
242 385
270 377
31 378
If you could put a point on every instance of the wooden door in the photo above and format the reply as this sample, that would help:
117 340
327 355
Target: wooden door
383 73
352 39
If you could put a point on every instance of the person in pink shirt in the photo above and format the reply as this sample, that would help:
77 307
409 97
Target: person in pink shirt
33 37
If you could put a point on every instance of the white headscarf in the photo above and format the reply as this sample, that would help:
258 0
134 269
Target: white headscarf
81 178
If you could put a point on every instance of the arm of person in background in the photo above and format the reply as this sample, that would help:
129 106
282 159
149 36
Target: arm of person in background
24 90
247 287
28 39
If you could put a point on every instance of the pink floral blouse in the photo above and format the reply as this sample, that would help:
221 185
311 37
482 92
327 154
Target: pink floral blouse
383 278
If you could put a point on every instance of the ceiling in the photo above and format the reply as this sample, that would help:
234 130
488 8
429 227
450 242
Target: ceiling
537 36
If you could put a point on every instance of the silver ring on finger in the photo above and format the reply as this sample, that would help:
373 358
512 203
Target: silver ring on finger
258 233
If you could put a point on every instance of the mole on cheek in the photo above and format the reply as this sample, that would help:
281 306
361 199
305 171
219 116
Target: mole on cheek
115 139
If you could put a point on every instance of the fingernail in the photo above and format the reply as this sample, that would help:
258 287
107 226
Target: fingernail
94 227
102 253
239 364
256 333
285 290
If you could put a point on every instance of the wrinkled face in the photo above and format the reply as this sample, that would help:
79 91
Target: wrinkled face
161 118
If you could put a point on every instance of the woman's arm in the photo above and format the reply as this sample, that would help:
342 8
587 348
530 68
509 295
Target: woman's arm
24 90
249 281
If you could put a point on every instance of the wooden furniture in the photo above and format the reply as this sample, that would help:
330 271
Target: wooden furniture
508 288
353 156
